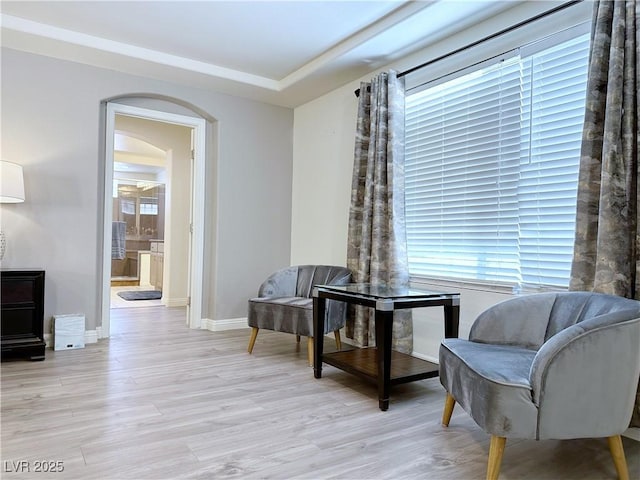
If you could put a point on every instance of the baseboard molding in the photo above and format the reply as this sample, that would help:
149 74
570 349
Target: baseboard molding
425 357
91 336
633 433
175 302
224 324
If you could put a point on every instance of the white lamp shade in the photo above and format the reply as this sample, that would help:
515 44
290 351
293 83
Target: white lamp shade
11 183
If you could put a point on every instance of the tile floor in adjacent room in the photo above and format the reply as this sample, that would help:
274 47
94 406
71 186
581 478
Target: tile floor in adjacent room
118 302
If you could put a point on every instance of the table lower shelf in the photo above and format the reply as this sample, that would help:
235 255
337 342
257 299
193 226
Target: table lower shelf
362 362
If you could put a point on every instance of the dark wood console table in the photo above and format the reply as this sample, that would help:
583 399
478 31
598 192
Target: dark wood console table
22 310
381 364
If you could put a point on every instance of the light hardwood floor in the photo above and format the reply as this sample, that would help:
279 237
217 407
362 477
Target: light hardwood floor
160 401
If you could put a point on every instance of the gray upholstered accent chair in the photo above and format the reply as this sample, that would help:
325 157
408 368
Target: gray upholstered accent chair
284 303
547 366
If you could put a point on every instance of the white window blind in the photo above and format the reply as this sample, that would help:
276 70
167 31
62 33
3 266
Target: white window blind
491 169
148 206
128 206
554 86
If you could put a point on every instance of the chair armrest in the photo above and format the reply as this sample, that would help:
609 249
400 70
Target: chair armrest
282 283
520 321
336 310
584 378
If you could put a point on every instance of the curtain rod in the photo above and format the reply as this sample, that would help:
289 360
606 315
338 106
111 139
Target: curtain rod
487 38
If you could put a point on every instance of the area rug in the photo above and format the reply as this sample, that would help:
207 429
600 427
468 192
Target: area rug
141 295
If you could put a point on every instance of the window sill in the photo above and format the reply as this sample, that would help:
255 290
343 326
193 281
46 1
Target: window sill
478 285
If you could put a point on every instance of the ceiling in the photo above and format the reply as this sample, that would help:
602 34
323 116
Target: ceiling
281 52
134 155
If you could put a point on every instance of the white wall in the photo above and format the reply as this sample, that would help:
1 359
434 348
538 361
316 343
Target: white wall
52 125
323 163
323 160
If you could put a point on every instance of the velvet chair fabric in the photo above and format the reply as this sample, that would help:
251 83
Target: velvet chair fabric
548 366
284 302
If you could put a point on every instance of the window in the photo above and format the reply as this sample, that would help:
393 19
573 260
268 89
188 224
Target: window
492 166
128 206
148 206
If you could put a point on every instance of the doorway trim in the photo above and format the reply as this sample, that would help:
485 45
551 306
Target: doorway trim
196 244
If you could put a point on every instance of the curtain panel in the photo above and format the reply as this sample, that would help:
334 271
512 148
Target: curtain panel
377 245
607 238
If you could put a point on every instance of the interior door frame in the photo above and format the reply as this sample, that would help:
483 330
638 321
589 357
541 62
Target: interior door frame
196 250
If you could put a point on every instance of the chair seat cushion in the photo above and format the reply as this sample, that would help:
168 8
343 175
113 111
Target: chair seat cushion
283 314
491 383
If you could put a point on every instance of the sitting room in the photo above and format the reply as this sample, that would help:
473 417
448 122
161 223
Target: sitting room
320 239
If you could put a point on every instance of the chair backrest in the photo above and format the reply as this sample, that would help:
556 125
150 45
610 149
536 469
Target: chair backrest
591 351
571 308
298 280
310 275
531 320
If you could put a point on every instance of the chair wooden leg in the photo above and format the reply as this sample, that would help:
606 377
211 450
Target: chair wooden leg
252 339
449 403
619 460
496 448
310 350
336 333
298 338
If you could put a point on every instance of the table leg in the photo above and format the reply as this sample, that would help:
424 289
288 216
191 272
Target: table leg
451 320
384 330
318 334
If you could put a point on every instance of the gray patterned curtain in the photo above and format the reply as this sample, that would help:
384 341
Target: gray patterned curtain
377 247
607 239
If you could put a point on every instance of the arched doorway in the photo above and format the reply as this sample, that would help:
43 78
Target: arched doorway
195 224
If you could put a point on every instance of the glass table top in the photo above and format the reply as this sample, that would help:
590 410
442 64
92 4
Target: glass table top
382 291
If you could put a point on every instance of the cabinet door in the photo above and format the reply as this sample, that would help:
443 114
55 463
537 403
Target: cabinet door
157 264
22 315
154 269
22 309
160 270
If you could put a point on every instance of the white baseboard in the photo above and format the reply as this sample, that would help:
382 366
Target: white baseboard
224 324
175 302
632 432
425 357
91 336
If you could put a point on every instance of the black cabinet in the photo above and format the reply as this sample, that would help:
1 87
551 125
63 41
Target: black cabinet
22 316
